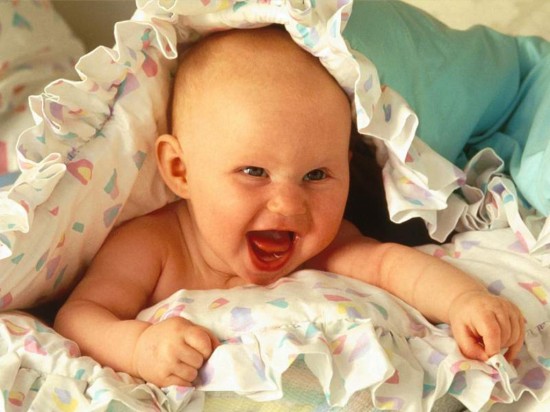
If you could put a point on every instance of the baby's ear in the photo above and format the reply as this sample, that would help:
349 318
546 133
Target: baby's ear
171 164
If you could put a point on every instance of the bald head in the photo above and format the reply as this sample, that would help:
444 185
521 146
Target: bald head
253 60
253 99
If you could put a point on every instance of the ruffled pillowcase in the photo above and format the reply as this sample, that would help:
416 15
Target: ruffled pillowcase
86 158
86 165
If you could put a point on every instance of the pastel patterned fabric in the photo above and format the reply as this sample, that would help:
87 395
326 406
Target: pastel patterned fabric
36 47
85 158
86 166
362 347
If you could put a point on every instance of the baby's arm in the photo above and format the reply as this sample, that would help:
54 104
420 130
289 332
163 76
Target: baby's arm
100 314
482 323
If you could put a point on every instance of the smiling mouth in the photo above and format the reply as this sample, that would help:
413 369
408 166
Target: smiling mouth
270 249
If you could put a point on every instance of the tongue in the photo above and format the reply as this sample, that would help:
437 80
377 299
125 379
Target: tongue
271 241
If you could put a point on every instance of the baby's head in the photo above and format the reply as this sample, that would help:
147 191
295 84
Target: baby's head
259 149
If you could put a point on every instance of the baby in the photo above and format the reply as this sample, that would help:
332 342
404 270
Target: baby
259 154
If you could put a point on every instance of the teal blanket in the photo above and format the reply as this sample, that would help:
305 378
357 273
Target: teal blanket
470 89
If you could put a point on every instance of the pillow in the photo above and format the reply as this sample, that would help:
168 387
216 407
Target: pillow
86 164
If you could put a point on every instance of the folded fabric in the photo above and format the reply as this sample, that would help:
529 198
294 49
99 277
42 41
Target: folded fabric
352 340
343 328
471 89
36 47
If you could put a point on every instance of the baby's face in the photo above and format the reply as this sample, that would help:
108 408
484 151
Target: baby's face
268 171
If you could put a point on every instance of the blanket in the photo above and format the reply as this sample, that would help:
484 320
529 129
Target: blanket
347 342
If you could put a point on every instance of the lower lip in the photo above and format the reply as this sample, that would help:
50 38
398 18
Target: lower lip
269 266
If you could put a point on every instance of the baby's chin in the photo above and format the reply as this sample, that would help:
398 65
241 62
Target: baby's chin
265 279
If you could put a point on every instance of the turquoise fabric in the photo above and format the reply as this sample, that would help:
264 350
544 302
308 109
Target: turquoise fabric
470 89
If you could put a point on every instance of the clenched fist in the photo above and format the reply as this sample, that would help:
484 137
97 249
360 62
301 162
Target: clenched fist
172 351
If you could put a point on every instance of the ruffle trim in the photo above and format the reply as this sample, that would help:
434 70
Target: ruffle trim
392 362
404 364
488 200
42 370
69 114
352 336
72 118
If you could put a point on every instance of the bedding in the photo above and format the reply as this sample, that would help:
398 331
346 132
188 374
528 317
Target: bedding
36 47
360 344
85 167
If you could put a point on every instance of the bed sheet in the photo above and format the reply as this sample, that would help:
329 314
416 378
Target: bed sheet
359 343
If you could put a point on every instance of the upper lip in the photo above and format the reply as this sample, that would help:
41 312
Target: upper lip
293 232
293 235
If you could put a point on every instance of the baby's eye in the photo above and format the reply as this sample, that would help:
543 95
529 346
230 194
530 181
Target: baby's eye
317 174
254 171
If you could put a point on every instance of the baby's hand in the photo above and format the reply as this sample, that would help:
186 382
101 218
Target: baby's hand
171 352
483 324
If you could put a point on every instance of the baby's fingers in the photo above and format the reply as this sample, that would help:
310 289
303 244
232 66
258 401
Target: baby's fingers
516 340
175 380
500 332
491 330
505 324
469 344
201 340
185 372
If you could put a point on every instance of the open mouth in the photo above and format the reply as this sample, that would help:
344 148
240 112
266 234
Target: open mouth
270 249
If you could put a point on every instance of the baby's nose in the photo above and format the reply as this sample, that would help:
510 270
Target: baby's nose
287 200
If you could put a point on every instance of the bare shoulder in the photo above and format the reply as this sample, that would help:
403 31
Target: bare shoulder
349 251
124 274
155 228
141 245
347 235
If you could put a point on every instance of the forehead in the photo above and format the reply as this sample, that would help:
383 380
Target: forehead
256 83
246 48
254 60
